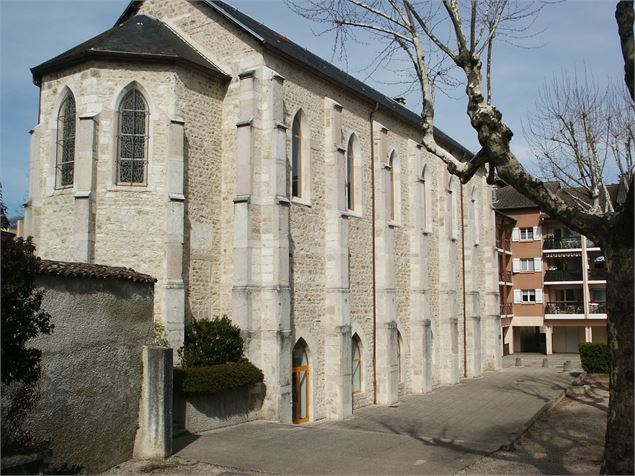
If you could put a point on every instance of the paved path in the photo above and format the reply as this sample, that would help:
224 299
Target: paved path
441 432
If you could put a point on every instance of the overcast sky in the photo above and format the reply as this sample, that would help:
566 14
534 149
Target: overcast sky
575 34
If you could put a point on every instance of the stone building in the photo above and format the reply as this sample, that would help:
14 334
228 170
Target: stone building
254 179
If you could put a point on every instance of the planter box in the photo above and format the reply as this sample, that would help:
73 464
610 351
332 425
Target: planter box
197 412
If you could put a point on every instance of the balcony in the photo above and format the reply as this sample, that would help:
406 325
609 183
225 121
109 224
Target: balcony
597 274
562 276
564 307
562 243
597 308
506 309
503 244
504 276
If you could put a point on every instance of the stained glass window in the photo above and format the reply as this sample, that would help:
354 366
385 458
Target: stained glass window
133 139
65 160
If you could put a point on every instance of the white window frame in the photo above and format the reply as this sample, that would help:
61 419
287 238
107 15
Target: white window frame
527 265
524 233
527 295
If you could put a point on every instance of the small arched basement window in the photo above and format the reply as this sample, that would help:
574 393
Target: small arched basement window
65 155
133 139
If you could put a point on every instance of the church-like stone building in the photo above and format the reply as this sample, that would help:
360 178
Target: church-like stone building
254 179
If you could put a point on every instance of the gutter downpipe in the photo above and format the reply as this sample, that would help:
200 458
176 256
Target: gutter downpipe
463 275
372 188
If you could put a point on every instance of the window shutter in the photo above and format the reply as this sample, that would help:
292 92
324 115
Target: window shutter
516 265
538 265
537 232
517 296
515 234
539 296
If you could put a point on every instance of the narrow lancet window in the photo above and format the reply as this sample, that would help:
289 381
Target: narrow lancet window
350 175
65 157
296 157
133 139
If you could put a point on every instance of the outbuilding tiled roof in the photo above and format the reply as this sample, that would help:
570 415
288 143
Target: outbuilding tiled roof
89 270
282 46
139 38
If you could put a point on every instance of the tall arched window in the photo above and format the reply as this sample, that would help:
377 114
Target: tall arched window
390 189
133 139
451 209
400 367
357 364
65 155
475 218
296 157
350 175
426 199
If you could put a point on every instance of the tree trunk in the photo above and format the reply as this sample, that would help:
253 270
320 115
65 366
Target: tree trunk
618 251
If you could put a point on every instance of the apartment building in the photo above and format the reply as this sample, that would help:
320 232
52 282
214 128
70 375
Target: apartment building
552 280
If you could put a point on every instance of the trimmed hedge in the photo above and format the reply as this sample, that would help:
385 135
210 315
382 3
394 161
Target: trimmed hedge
211 342
216 378
594 357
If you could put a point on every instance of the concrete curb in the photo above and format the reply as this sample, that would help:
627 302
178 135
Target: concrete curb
509 445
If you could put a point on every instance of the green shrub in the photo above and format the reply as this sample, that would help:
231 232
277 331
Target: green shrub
211 342
594 357
216 378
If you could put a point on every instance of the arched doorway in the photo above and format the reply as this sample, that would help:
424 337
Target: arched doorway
300 382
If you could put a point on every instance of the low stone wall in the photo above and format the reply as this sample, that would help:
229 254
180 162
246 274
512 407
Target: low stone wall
90 387
201 412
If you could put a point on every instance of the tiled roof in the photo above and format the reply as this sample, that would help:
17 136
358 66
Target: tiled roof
139 38
508 198
88 270
279 44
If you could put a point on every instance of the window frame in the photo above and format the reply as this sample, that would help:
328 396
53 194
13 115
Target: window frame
61 139
134 90
524 269
529 293
296 153
528 231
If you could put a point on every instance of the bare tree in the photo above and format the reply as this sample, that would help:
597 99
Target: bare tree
581 134
461 33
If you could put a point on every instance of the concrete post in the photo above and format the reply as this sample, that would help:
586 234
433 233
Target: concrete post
154 435
549 338
85 162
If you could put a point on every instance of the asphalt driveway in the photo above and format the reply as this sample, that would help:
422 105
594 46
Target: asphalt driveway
441 432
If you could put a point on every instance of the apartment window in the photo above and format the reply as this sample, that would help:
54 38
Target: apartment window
528 295
527 265
65 155
527 234
133 139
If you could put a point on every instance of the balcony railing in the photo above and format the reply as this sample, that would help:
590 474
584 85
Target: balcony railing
562 243
558 275
597 274
506 309
503 244
505 276
564 307
597 308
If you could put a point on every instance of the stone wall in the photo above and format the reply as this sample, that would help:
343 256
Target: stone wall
91 369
